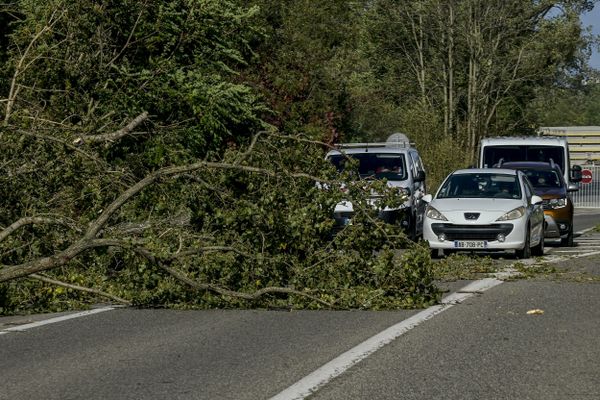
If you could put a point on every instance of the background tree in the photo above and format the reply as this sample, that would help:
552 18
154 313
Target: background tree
474 64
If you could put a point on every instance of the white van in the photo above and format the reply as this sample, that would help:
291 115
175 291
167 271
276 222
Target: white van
497 150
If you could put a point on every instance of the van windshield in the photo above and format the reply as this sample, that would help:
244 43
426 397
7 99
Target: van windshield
493 154
375 165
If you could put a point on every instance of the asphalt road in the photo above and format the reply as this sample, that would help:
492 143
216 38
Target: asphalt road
161 354
490 348
484 347
586 218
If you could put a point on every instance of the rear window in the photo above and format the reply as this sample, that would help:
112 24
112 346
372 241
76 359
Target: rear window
375 165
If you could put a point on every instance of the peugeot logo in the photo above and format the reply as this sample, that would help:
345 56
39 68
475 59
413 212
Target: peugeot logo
471 216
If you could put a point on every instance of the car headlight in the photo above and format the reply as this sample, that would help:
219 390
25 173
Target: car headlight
514 214
557 203
404 192
432 213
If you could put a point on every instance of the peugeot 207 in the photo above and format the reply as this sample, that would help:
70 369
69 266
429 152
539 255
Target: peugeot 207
485 210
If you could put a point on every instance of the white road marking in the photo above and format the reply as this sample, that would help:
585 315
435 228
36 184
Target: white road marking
592 253
22 328
586 246
334 368
585 231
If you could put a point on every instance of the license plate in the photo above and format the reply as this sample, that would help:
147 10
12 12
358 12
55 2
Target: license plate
470 244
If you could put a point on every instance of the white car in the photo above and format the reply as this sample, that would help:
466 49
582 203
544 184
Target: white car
485 210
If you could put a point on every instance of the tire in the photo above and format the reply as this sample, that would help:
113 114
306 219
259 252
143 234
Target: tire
412 228
538 251
525 252
568 241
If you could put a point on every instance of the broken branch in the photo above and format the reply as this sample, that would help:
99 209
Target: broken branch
240 295
111 137
79 288
34 221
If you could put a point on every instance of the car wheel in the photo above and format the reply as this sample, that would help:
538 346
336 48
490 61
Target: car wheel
538 250
525 252
412 228
568 241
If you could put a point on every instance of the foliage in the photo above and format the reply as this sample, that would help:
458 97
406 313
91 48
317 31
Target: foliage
245 231
475 64
460 266
577 105
168 152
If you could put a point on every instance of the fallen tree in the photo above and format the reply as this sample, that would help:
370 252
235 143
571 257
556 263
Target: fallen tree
252 228
138 165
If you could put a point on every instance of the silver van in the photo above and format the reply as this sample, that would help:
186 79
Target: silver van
400 164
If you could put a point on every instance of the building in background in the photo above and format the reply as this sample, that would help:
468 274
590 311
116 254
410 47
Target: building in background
584 142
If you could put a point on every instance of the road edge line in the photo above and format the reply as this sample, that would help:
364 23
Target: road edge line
25 327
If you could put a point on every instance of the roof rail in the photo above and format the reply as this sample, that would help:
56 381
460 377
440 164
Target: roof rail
355 145
401 145
395 140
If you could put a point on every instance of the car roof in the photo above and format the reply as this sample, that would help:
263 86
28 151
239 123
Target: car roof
523 140
374 150
496 171
530 164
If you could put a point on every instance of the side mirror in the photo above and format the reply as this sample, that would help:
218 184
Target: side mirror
427 198
576 173
572 187
420 176
535 200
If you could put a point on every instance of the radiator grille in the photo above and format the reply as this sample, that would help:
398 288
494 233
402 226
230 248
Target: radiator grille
472 232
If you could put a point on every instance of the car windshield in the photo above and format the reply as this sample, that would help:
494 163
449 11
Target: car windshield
375 165
481 185
543 178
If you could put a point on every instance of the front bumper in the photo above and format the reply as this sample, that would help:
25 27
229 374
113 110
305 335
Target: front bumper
513 233
555 228
558 221
398 216
344 215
